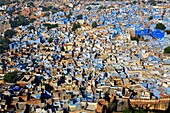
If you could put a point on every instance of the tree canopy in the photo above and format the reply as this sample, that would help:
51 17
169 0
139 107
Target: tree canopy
4 44
47 8
76 26
11 77
89 8
80 17
6 2
94 24
31 28
152 2
102 7
20 20
9 33
167 49
50 26
150 18
135 38
69 15
160 26
167 31
50 40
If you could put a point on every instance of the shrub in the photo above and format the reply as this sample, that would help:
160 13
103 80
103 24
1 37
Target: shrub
50 26
76 26
160 26
167 49
80 17
167 31
21 20
50 40
135 38
89 8
94 24
150 18
9 33
4 44
11 77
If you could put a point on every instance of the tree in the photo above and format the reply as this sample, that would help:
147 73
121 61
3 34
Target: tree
69 15
152 2
11 77
4 44
139 110
102 7
167 31
111 107
47 8
30 4
127 110
150 18
76 26
160 26
135 38
9 33
6 2
89 8
32 20
94 24
20 20
167 49
80 17
143 1
106 96
50 26
31 28
134 2
50 40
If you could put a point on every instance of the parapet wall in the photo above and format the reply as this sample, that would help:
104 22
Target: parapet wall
154 104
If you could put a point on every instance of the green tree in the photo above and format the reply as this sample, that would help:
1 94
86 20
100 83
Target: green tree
150 18
76 26
139 110
160 26
127 110
50 26
32 20
50 40
47 8
102 7
94 24
167 49
69 15
106 96
11 77
30 4
143 1
4 44
89 8
9 33
6 2
31 28
80 17
135 38
152 2
47 14
111 107
134 2
21 20
167 31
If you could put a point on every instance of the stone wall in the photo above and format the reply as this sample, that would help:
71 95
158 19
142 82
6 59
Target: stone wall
155 104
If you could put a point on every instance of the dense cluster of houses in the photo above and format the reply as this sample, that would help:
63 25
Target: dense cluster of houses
77 68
